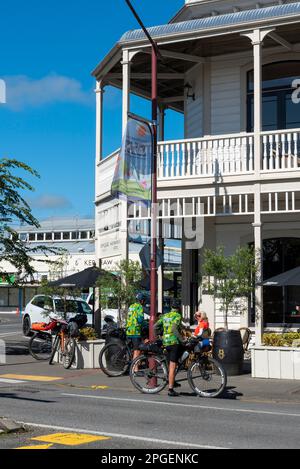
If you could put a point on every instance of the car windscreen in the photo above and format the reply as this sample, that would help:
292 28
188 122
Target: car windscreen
72 306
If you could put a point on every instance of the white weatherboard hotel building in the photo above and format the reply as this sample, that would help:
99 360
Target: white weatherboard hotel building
232 69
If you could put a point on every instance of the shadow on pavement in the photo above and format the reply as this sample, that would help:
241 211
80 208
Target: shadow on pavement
8 395
16 348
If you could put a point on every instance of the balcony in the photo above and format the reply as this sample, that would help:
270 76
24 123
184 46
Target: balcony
228 155
221 158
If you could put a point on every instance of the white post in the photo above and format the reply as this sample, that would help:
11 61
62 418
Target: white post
160 272
99 155
126 88
257 37
258 244
99 151
99 121
125 110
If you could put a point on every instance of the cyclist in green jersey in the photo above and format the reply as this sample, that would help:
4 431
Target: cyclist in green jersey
134 324
171 324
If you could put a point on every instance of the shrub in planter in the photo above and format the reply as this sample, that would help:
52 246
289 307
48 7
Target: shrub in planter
280 340
88 333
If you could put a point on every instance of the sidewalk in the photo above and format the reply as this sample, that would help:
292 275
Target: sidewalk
243 388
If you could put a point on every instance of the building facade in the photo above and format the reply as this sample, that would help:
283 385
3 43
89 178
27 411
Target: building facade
77 239
233 70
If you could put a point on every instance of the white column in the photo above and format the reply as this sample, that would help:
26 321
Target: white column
126 88
99 121
160 272
99 155
186 278
257 37
258 244
125 111
99 152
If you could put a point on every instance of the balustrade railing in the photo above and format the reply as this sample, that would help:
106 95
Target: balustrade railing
210 156
281 150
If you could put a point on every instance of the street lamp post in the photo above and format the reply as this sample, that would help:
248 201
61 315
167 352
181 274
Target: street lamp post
153 278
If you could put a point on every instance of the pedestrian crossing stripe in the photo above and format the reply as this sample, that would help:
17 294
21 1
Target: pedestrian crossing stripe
31 378
70 439
38 447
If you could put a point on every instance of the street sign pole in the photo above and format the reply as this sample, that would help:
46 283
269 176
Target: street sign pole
153 278
153 282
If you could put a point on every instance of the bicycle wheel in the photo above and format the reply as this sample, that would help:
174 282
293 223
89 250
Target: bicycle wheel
68 354
40 346
149 374
114 360
207 377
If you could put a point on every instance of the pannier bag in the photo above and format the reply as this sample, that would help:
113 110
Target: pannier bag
152 347
118 333
73 329
76 323
203 346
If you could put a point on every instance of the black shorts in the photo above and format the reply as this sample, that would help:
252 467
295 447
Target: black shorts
174 352
135 342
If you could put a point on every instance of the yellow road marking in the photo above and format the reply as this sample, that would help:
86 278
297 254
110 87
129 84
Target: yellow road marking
70 439
100 387
31 378
36 447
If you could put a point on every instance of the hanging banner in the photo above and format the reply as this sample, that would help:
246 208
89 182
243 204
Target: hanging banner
133 175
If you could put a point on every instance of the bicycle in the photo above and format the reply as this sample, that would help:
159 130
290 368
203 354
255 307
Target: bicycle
149 373
115 358
42 346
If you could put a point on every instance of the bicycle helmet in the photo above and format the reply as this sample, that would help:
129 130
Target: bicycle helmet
140 297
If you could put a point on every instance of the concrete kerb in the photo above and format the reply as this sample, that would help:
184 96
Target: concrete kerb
10 426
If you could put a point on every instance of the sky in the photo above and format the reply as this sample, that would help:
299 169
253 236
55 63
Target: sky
48 51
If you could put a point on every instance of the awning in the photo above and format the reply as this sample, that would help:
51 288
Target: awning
290 278
85 279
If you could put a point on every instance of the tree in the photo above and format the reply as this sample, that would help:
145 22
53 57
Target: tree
121 289
229 278
14 208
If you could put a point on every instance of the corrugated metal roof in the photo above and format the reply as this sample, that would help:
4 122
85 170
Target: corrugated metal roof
59 224
231 19
75 247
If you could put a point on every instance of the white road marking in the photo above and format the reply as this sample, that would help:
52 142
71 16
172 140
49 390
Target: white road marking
119 435
174 404
8 334
11 381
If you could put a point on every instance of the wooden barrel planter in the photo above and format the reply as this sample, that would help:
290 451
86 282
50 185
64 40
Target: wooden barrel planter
228 350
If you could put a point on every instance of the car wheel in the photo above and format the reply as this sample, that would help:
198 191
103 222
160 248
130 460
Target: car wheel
27 326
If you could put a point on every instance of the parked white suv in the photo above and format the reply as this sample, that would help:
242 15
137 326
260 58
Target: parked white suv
42 306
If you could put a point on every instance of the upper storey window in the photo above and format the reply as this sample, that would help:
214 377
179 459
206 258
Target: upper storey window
279 109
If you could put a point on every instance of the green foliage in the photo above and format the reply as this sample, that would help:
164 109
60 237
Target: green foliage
123 287
229 278
280 340
63 292
46 289
14 208
88 333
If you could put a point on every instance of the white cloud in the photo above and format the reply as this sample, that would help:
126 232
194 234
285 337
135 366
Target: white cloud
48 202
24 92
